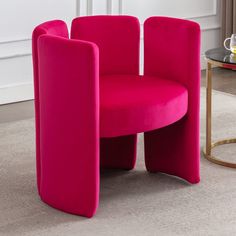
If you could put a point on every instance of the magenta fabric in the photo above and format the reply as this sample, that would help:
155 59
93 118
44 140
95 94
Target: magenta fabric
172 52
145 103
118 152
59 28
118 40
91 102
69 124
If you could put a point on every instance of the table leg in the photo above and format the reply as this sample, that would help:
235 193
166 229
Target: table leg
209 145
208 109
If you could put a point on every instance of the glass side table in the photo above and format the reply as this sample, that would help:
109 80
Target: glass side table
221 58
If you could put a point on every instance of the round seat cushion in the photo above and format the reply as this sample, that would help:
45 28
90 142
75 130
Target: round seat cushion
132 104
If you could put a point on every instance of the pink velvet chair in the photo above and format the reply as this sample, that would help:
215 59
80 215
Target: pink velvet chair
91 103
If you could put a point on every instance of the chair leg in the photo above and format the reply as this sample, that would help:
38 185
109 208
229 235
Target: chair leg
70 177
174 150
118 152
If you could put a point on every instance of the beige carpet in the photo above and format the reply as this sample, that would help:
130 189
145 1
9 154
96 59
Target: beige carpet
132 203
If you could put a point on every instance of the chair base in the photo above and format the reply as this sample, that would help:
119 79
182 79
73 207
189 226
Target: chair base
118 152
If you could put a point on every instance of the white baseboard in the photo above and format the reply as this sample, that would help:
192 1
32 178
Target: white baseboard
16 93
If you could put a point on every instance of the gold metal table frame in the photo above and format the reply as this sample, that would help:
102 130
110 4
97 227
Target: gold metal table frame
207 151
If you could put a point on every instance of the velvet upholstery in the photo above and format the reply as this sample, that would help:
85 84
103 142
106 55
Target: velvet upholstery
68 135
118 40
172 52
90 103
123 111
57 28
119 55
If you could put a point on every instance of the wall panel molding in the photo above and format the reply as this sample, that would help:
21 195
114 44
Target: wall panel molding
115 7
12 56
90 7
16 92
210 14
109 7
15 48
120 6
17 24
217 27
102 7
214 13
14 40
77 7
84 7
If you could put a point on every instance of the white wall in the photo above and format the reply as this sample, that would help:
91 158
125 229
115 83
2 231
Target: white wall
18 18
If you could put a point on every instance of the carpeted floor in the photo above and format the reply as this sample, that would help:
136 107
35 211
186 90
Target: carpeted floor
132 203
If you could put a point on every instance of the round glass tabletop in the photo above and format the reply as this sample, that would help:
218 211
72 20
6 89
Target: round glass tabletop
221 55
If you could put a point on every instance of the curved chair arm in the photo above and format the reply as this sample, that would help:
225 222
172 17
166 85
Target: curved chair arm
69 124
55 27
172 51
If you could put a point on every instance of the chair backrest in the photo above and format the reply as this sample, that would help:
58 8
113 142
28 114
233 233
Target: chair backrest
118 40
171 48
69 115
59 28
